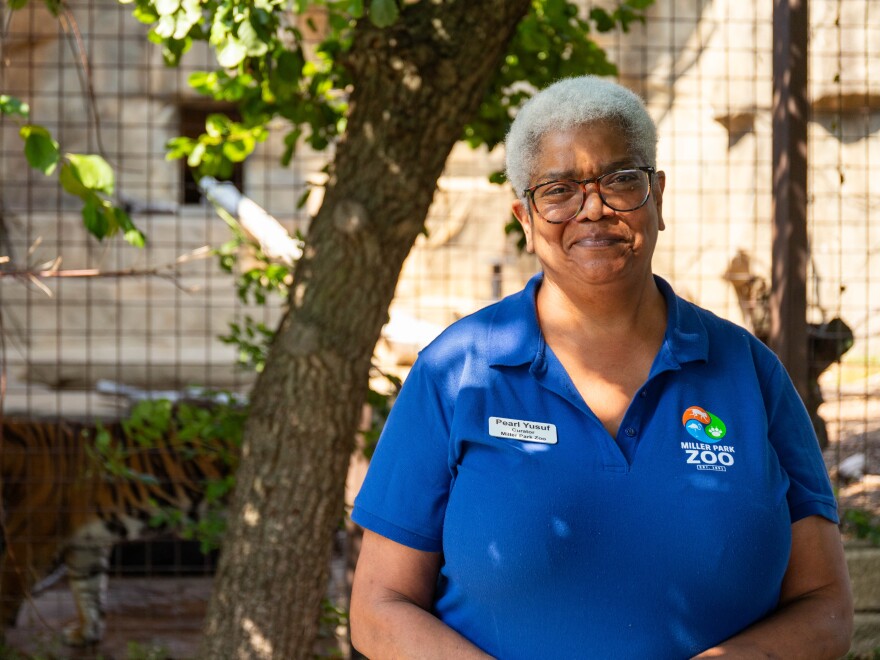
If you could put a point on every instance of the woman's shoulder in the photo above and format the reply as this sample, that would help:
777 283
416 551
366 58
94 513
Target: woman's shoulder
724 335
480 336
465 336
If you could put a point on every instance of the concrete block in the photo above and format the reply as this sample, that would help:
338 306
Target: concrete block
863 563
866 635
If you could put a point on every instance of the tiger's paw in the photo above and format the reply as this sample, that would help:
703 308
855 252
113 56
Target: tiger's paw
77 634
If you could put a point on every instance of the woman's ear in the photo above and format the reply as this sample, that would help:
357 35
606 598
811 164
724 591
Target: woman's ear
657 194
521 211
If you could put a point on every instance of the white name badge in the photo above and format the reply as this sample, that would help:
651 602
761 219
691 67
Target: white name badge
520 429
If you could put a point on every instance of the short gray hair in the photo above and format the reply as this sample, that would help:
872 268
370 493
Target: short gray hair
573 102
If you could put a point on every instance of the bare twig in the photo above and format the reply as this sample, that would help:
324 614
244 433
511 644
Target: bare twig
84 272
50 270
71 29
42 287
34 245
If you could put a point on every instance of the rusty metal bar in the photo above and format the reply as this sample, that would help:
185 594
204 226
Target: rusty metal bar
788 300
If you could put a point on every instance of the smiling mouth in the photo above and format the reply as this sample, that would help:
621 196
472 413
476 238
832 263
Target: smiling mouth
597 241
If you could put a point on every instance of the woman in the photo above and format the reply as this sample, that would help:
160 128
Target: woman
594 467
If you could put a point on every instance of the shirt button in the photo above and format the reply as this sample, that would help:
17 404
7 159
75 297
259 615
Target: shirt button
630 431
643 393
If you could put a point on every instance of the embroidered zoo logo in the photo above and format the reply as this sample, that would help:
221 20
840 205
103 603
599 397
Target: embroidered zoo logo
707 430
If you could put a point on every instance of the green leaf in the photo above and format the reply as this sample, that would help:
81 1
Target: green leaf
17 4
498 178
303 199
354 8
253 43
231 54
166 7
40 150
237 150
203 82
173 49
135 238
178 147
196 155
93 172
383 12
94 218
145 13
217 125
9 105
165 27
69 179
290 143
131 234
54 6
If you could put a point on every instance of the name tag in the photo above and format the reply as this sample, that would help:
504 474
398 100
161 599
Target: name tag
520 429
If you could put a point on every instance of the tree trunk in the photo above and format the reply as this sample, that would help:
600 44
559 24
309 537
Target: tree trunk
416 84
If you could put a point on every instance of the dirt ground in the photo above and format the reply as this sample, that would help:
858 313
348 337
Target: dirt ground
151 618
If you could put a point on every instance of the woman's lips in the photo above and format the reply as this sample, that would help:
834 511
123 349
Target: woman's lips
597 241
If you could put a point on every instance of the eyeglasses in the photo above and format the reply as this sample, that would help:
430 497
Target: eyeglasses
622 190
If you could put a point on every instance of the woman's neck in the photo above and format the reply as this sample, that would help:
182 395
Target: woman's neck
601 313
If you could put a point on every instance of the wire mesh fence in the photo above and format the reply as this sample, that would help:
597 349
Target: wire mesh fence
124 324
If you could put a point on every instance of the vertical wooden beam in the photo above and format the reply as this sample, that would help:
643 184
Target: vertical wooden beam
788 300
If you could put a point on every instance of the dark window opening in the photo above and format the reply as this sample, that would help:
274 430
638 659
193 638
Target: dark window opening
192 125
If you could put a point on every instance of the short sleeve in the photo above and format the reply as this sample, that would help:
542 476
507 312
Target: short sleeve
794 440
407 485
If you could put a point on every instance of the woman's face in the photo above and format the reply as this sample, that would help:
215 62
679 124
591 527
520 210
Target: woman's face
600 245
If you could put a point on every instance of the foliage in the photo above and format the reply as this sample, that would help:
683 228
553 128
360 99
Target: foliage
331 620
862 524
260 276
138 651
551 42
43 646
270 67
263 68
10 653
379 403
86 176
190 430
254 283
252 338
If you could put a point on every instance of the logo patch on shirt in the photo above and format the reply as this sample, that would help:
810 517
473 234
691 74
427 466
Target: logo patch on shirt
707 430
520 429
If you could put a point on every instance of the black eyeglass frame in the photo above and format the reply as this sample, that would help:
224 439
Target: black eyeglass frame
530 192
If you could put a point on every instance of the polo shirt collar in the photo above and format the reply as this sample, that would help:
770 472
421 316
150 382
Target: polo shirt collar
686 337
515 337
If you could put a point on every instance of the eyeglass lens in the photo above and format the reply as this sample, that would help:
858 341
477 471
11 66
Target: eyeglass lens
624 190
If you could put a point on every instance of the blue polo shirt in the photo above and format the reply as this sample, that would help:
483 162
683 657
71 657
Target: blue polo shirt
559 540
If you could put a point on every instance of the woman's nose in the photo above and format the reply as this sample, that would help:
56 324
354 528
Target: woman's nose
593 208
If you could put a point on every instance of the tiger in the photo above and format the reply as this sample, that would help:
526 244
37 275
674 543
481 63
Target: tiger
71 490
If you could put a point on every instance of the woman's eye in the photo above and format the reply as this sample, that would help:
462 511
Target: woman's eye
626 177
557 190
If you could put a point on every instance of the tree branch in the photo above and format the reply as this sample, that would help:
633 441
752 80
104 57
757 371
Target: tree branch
164 271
